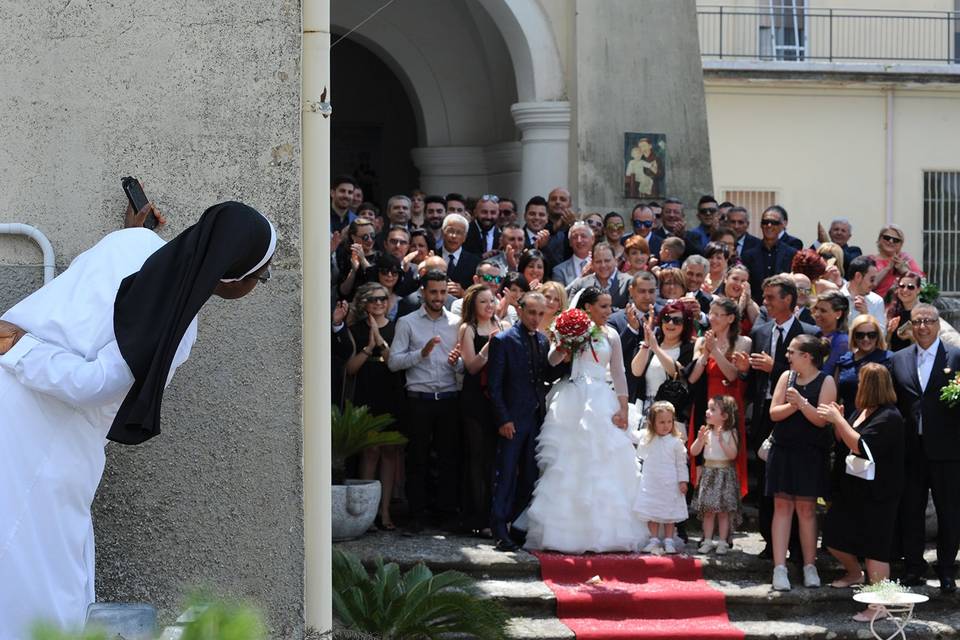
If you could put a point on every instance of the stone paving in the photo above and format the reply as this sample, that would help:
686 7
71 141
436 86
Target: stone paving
513 580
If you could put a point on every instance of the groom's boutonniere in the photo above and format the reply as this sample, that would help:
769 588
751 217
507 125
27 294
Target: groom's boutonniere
950 393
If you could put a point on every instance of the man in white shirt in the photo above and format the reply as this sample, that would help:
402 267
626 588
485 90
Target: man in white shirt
421 346
862 277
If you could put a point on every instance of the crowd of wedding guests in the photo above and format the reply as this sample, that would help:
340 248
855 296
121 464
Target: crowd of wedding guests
791 366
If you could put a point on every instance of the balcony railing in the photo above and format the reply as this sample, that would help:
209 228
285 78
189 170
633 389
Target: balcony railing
797 33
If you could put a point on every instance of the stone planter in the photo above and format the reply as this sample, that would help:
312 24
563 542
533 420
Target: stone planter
355 505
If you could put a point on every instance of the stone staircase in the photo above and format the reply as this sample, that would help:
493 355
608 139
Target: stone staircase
513 580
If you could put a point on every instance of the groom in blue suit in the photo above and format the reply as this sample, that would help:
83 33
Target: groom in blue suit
516 371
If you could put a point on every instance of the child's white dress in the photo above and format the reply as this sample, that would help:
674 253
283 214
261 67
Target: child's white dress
663 461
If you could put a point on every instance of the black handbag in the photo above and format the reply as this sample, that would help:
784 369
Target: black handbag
675 391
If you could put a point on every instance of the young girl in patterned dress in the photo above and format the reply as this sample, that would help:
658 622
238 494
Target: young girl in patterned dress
718 489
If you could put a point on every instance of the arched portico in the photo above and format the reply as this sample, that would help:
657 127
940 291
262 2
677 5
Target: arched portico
475 73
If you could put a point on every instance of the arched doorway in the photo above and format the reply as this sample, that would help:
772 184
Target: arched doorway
486 84
373 127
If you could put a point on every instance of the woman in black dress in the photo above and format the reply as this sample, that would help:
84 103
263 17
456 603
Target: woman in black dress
863 514
478 323
374 385
797 466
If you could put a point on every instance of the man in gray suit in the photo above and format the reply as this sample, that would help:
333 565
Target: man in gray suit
604 275
581 241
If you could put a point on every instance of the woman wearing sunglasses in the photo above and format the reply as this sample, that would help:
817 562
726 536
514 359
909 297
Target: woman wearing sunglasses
867 345
613 230
905 298
388 272
372 384
891 260
663 353
355 257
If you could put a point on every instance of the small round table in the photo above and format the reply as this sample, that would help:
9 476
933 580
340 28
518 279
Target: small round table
897 606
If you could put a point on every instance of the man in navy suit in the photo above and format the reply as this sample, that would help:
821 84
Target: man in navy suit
629 323
773 256
932 447
784 237
516 371
768 361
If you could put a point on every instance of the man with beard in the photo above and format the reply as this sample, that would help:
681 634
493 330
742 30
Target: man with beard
508 212
561 217
483 238
434 208
341 202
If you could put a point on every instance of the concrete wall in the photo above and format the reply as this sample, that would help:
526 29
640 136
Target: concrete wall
200 100
638 69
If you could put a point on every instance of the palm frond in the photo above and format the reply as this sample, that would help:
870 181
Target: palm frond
355 429
415 605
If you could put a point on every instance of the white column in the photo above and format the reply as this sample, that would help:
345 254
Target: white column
315 239
545 147
451 169
503 169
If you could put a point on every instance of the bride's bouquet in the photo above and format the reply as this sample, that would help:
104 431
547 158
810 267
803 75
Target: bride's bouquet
573 330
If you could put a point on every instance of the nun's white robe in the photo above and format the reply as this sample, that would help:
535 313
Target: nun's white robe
60 388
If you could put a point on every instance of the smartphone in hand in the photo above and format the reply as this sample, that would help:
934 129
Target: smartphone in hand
138 200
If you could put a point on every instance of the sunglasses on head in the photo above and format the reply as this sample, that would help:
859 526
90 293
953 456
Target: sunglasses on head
486 277
489 198
637 224
769 222
893 239
865 335
676 320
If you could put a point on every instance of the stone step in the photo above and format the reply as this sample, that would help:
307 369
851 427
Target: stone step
478 558
748 599
825 626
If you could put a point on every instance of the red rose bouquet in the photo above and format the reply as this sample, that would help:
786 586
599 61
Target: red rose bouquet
573 330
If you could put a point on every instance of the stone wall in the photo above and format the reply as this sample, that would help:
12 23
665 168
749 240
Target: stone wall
638 70
201 101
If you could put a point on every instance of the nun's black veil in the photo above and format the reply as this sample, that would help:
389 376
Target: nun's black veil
154 307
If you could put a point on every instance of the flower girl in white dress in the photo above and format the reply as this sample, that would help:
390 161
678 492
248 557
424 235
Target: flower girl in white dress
663 479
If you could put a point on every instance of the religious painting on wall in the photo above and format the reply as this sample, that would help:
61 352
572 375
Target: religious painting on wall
644 156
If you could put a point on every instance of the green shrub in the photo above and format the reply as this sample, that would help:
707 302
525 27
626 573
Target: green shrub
355 429
415 605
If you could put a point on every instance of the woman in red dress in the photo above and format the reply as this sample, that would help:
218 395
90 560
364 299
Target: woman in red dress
721 355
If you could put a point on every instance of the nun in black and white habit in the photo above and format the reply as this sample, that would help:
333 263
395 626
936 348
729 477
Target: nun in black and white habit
95 349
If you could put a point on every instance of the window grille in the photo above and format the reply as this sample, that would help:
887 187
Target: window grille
754 201
941 229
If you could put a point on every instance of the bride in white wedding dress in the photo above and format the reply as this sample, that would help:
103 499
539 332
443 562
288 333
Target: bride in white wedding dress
589 472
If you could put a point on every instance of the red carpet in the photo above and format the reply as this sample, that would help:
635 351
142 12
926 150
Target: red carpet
648 597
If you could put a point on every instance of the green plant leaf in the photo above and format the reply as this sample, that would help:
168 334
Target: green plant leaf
415 605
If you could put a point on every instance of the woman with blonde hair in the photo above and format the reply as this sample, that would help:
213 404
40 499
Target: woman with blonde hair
833 255
892 261
556 297
867 345
863 513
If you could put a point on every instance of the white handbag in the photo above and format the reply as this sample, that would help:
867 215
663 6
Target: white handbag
764 451
862 468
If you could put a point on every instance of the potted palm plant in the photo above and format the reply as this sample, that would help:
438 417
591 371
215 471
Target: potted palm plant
355 502
415 605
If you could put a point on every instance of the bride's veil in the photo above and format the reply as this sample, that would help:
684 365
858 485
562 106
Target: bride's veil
575 299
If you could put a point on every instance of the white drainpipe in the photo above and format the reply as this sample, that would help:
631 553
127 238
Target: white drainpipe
20 229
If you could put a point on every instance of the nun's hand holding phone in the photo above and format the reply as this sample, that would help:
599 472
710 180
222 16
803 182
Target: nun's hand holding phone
10 335
133 220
